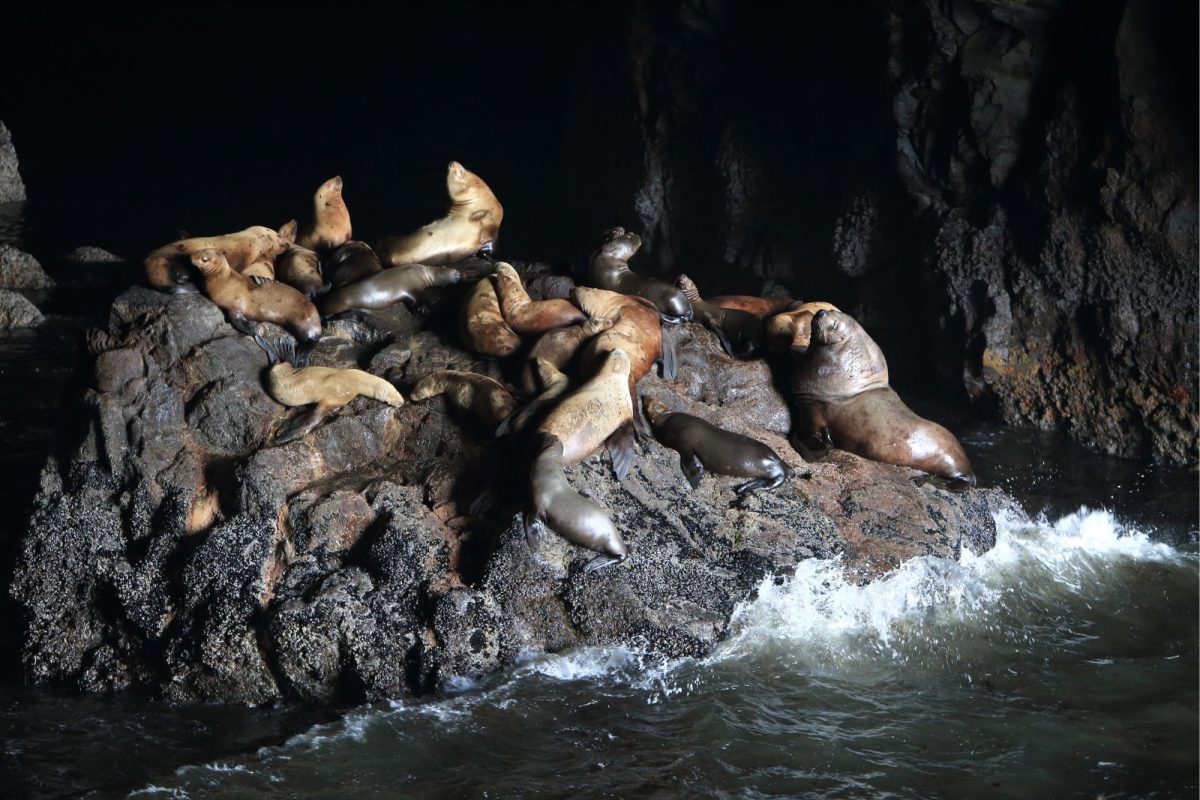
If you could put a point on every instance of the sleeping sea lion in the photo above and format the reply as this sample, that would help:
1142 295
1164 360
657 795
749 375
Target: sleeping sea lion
330 227
526 316
608 268
554 384
761 307
325 388
482 323
471 392
702 445
243 299
843 400
558 348
790 329
389 286
739 332
350 263
470 225
300 268
598 411
169 267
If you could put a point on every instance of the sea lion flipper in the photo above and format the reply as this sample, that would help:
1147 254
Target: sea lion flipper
758 483
601 561
241 324
302 423
669 364
693 470
620 450
259 280
268 348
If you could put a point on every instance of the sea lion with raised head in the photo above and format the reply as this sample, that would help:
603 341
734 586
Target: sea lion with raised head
471 225
330 227
243 299
384 288
528 317
739 332
790 330
842 399
351 263
482 324
485 397
599 411
608 268
702 445
558 348
326 389
169 267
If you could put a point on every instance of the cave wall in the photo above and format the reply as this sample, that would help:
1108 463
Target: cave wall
1003 192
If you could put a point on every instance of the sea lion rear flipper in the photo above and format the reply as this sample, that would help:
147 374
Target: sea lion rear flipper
669 364
757 483
268 348
303 422
620 450
241 324
693 470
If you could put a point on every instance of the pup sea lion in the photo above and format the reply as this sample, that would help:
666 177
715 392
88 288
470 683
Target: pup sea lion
568 513
790 330
702 445
480 395
328 388
558 348
470 225
352 262
526 316
598 411
243 299
330 227
300 268
168 267
389 286
608 268
843 400
482 323
739 332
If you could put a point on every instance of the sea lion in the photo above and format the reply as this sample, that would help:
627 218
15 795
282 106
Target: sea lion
300 268
843 400
598 411
608 268
352 262
558 348
288 231
482 323
330 226
470 225
739 332
168 267
526 316
480 395
554 384
243 299
790 329
568 513
761 307
702 445
389 286
329 388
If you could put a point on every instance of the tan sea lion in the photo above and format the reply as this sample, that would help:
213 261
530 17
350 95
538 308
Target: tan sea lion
702 445
330 226
739 332
843 400
389 286
528 317
608 268
482 323
558 348
352 262
325 388
598 411
554 384
288 231
790 329
485 397
300 268
243 299
169 267
470 225
761 307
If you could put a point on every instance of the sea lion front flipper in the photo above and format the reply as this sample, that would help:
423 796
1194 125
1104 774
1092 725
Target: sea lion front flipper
259 280
693 470
241 324
268 348
304 422
758 483
601 561
669 365
815 446
620 450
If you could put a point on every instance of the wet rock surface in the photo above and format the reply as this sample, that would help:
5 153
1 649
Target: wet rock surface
19 270
173 550
17 311
12 188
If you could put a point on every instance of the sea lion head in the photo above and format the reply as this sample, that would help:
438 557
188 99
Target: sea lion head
506 269
688 288
287 231
842 359
618 243
655 409
832 327
461 183
330 191
209 261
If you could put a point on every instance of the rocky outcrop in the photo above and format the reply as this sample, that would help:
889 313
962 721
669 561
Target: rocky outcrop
19 270
12 189
172 549
16 311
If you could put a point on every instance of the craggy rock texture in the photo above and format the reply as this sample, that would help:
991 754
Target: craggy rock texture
16 311
12 188
19 270
382 555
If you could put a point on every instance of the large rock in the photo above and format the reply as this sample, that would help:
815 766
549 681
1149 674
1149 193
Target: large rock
382 555
19 270
12 189
17 311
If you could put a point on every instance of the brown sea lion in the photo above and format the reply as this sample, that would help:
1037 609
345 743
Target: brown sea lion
739 332
528 317
790 329
843 400
470 225
350 263
325 388
288 231
558 348
608 268
761 307
480 395
169 267
243 299
598 411
702 445
482 323
330 226
389 286
300 268
554 384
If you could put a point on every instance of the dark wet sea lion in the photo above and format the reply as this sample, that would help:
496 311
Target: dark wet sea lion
842 398
608 268
243 299
702 445
482 324
351 263
739 332
530 317
389 286
330 227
